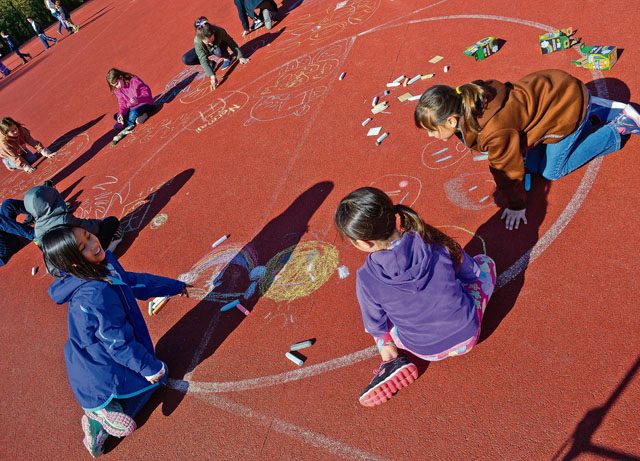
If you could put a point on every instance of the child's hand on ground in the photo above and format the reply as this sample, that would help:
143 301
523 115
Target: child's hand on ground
243 60
389 352
155 378
245 33
513 218
214 82
186 291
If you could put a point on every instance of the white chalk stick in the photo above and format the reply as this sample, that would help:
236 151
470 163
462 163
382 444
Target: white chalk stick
374 131
297 360
374 101
219 241
34 270
393 84
379 107
446 68
342 75
414 79
381 138
366 122
414 98
157 303
302 345
400 79
426 76
479 158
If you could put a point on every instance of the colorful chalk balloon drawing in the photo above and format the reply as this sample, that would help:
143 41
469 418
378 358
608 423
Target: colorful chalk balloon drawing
402 189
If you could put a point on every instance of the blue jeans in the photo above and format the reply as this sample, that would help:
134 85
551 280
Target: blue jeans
136 112
554 161
27 155
9 211
46 39
61 22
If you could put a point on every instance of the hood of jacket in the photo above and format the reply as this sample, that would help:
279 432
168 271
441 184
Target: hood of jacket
406 265
63 287
48 208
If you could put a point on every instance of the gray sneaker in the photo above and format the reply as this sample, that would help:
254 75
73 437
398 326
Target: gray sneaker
266 14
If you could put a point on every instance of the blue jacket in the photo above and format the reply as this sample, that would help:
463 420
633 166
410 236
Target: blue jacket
109 350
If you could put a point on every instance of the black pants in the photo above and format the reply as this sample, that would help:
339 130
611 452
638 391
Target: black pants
108 228
190 58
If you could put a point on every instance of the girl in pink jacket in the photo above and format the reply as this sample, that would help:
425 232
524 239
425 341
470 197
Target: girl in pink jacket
135 101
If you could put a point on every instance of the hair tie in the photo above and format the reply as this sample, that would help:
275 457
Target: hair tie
458 90
200 23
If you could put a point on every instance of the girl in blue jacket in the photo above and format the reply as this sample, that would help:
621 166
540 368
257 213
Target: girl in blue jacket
418 290
111 364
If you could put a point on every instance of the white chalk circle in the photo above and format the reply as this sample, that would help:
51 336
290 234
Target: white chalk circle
188 386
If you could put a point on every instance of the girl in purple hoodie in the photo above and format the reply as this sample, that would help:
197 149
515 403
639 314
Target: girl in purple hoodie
418 290
135 101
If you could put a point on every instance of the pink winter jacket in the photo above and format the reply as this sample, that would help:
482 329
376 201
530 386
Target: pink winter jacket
132 94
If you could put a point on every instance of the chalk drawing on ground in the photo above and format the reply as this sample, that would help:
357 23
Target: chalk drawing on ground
402 189
471 191
438 155
158 221
225 105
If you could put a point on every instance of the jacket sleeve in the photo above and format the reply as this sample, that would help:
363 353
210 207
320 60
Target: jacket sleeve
25 134
123 102
230 42
7 151
469 271
375 319
143 92
242 13
145 286
506 163
203 57
115 331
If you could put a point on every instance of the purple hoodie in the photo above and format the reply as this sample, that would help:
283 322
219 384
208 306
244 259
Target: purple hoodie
135 93
414 286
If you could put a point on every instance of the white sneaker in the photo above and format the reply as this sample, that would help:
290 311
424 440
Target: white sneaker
266 14
141 119
47 153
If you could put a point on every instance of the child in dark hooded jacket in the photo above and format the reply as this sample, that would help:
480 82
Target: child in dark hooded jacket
418 290
49 210
111 364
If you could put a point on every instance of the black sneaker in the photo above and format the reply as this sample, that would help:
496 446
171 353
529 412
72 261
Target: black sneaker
390 378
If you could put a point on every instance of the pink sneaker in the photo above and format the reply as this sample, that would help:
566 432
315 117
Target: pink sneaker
390 378
113 419
94 436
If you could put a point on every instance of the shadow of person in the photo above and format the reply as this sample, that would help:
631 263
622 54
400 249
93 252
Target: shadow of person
288 6
170 94
616 89
145 209
253 45
62 141
199 333
511 251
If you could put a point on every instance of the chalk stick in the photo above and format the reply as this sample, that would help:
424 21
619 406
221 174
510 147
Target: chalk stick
381 138
34 270
414 79
427 76
473 188
374 101
386 92
484 199
229 306
479 158
393 84
404 82
375 131
366 122
294 358
404 97
446 68
436 59
242 309
219 241
414 98
527 182
442 159
157 303
343 272
302 344
399 79
342 75
380 107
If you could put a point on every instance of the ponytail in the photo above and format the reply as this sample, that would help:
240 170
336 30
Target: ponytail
441 101
410 221
369 214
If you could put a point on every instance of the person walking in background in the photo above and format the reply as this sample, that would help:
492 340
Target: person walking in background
54 12
40 31
13 47
64 15
267 10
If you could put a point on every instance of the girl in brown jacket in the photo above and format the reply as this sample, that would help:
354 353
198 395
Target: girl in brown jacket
13 141
549 117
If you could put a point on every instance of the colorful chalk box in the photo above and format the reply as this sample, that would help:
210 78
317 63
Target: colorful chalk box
557 40
482 48
597 57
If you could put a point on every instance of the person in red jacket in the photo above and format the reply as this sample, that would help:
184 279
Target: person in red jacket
549 117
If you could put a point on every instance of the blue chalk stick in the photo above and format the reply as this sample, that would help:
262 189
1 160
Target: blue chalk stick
229 306
527 182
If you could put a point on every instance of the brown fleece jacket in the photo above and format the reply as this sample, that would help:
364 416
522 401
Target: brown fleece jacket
543 107
11 146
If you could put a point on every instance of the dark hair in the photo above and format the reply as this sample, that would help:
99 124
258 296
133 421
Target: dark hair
62 256
369 214
439 102
7 123
205 31
116 74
